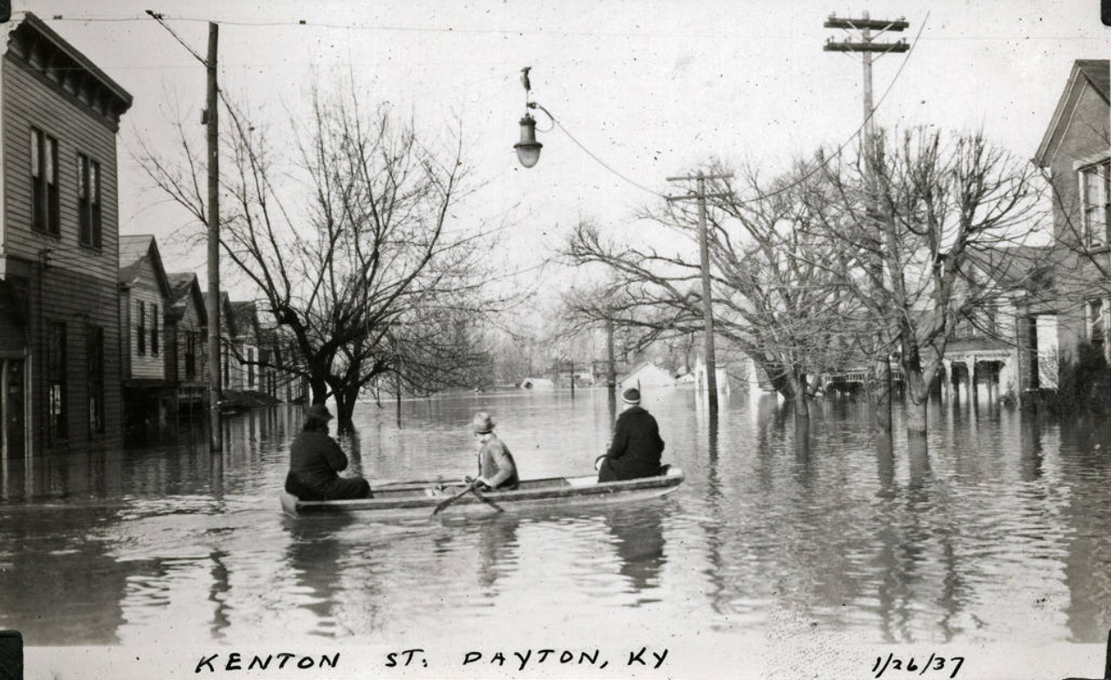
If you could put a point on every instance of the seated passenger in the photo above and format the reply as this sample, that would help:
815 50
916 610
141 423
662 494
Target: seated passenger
636 448
496 468
314 461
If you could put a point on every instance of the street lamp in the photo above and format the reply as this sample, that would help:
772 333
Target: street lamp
528 149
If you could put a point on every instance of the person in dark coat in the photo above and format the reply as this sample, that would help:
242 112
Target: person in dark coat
636 448
496 467
315 459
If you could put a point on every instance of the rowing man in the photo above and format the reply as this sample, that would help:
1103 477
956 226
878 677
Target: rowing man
496 469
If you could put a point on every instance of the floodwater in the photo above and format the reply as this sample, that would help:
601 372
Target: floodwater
998 529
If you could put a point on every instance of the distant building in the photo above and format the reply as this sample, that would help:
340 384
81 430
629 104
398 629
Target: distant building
59 297
720 373
538 384
644 375
245 357
186 340
144 292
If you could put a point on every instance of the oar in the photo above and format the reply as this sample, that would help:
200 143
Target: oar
486 500
471 488
443 504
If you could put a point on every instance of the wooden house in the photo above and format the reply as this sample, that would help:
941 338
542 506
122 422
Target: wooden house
144 293
246 363
59 298
645 375
1076 152
186 339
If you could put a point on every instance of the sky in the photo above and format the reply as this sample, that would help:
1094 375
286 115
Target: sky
652 88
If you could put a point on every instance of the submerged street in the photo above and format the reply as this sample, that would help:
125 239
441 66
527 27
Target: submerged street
996 532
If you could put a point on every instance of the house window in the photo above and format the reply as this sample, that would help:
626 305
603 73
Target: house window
56 379
1097 327
88 201
154 330
95 354
227 368
1095 191
44 183
142 332
190 355
250 368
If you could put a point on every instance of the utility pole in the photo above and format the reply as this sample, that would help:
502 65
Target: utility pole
704 257
611 368
209 119
216 440
867 46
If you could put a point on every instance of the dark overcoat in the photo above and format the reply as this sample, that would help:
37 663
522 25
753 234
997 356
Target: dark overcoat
636 448
315 459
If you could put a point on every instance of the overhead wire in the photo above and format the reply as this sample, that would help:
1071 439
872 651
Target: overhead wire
162 18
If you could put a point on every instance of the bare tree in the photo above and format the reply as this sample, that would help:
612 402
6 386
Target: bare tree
351 242
953 228
774 294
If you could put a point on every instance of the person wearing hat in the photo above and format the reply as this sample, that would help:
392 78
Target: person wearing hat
636 448
496 468
315 461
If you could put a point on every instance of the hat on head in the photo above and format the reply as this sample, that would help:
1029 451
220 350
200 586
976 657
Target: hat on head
631 396
483 423
319 412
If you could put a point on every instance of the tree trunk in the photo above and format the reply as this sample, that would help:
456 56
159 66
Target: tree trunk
346 399
879 394
319 390
917 391
798 389
917 402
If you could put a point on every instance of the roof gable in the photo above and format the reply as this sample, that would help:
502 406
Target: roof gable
183 288
1086 73
246 316
137 251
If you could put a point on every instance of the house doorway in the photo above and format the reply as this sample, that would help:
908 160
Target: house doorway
13 394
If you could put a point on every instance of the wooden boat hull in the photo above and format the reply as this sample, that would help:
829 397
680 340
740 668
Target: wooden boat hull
419 499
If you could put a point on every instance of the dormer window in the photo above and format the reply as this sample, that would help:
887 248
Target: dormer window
1095 191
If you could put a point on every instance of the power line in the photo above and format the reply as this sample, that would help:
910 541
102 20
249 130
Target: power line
865 124
524 31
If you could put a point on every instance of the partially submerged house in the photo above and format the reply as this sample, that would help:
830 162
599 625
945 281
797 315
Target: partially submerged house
1076 153
59 296
186 339
144 292
645 375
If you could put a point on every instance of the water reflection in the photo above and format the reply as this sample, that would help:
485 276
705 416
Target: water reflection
993 527
497 551
639 542
314 556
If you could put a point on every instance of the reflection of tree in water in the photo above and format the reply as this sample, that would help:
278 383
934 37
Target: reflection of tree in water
1086 472
639 541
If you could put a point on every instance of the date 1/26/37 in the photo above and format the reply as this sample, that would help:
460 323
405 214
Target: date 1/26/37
935 664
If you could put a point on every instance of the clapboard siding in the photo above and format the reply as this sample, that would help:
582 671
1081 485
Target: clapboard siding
190 323
29 103
78 301
71 284
149 364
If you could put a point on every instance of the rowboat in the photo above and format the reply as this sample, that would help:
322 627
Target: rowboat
419 499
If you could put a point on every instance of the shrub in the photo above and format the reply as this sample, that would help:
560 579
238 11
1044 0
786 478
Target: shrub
1085 384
